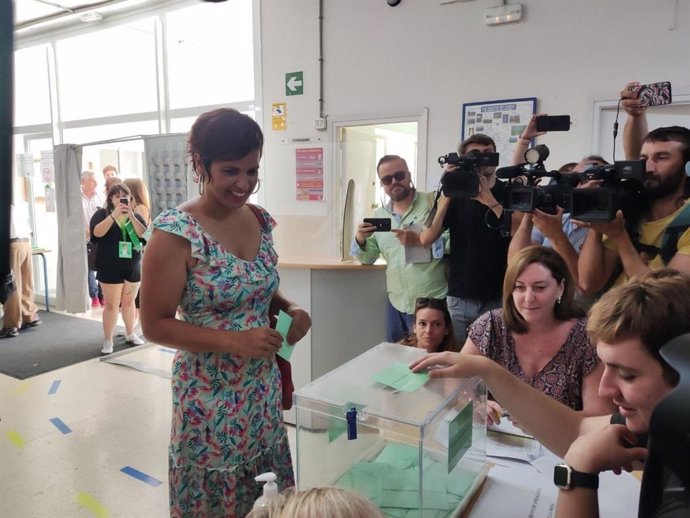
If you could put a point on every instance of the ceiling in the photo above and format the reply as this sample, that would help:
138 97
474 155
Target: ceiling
32 15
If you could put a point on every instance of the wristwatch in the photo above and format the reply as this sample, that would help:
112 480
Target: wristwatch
566 477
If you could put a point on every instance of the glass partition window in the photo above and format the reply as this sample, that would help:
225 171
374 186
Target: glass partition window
108 72
32 100
215 64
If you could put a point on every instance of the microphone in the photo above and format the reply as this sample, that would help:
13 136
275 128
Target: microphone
509 172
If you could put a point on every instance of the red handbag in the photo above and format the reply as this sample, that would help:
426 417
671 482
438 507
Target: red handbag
283 364
286 381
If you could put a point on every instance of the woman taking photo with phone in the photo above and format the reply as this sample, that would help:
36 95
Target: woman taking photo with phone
117 231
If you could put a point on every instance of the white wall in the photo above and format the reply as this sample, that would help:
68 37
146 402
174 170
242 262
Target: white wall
381 61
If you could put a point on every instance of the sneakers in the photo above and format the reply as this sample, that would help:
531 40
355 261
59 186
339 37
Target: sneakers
9 332
107 347
95 303
134 340
33 323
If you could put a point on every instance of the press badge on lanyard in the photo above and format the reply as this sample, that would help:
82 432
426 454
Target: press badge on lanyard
125 247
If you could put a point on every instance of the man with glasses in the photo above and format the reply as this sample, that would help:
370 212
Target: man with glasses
479 239
412 270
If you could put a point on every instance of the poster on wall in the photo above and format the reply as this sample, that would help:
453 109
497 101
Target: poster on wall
47 168
501 120
309 174
25 164
279 116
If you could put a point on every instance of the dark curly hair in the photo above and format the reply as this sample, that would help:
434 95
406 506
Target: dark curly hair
222 134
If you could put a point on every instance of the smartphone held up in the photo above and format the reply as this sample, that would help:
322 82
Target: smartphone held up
654 94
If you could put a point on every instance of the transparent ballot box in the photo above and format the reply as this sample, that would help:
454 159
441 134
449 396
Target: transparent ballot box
415 446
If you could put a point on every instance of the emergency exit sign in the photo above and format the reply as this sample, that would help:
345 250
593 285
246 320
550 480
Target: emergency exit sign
294 85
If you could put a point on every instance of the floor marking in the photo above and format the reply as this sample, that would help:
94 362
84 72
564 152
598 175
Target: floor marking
139 475
54 387
60 425
90 503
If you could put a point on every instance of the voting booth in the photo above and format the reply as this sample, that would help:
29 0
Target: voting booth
415 446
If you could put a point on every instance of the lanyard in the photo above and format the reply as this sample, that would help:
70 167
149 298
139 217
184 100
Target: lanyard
127 229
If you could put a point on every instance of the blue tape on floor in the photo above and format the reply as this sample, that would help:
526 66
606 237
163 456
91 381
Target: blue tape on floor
60 425
166 350
135 473
54 387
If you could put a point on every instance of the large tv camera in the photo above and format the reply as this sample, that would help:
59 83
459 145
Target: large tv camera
463 182
621 189
525 192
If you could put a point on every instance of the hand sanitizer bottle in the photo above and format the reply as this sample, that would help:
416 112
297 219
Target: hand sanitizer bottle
270 494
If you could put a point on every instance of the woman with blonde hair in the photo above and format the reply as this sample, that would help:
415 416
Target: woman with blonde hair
140 195
320 502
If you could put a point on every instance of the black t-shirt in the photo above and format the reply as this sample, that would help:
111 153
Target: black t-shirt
478 248
108 244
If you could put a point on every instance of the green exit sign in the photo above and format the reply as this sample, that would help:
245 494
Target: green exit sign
294 84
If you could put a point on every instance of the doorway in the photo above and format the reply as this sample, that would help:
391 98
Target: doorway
359 146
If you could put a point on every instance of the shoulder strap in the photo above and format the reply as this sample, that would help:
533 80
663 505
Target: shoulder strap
669 239
259 215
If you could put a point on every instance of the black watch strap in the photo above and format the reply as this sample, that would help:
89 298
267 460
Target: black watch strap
566 477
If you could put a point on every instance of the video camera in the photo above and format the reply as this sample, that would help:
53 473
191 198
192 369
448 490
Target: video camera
526 195
621 189
464 181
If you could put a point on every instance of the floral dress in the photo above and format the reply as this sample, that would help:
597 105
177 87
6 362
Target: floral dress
227 424
561 378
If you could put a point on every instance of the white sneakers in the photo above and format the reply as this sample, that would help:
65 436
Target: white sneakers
134 340
107 347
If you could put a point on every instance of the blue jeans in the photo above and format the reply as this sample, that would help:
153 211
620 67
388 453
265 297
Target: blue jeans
94 288
398 324
465 311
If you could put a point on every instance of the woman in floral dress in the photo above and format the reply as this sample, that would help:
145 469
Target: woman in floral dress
211 261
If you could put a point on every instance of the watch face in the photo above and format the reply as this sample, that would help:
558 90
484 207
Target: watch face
561 476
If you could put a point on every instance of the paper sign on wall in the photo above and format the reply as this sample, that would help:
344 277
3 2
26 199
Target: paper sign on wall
279 116
309 174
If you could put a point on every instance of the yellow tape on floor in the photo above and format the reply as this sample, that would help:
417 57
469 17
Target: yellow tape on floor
90 503
16 439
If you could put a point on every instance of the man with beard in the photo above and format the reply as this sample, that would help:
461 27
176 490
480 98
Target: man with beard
408 276
479 242
609 246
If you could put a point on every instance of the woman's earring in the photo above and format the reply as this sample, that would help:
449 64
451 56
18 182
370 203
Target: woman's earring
558 300
258 186
202 184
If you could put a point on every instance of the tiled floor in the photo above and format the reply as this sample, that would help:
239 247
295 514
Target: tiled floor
114 418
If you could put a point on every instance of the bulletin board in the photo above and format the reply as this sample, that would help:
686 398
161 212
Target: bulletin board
502 120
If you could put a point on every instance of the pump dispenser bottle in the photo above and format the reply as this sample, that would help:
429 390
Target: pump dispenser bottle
270 494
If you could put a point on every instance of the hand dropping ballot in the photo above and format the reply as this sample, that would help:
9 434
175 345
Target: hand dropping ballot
283 326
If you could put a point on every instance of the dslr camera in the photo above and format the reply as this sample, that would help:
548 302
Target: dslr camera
621 189
463 182
524 194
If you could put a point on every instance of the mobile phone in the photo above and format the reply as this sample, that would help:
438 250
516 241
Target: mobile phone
381 224
553 123
654 94
124 201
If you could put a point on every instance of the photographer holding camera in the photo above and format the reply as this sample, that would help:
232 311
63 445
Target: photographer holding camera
405 279
479 240
557 230
662 237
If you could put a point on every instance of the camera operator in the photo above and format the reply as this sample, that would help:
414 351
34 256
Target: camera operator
478 242
665 190
556 231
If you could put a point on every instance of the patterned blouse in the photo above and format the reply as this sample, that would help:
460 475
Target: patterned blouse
561 378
